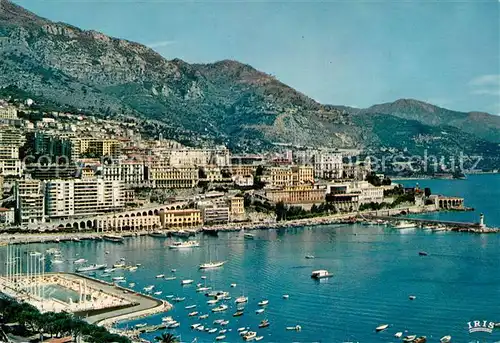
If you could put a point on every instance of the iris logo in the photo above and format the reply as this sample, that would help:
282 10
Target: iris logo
480 326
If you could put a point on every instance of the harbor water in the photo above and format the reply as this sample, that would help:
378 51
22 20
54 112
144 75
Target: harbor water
376 269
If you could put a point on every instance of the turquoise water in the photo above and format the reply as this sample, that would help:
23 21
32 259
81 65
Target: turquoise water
376 269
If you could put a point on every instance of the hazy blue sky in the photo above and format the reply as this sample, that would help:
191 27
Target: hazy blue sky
355 53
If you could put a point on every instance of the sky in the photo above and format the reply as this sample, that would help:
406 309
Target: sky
355 53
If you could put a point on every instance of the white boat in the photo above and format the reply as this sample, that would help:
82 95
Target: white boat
445 339
203 316
194 326
91 268
212 301
158 293
200 328
258 338
398 334
57 261
174 325
404 225
179 299
233 285
80 261
190 307
141 325
294 328
119 265
187 282
224 322
211 265
249 236
244 332
409 338
320 274
203 277
167 319
132 268
214 330
132 284
220 308
309 257
263 303
250 335
171 278
241 329
160 276
113 238
412 297
118 278
381 327
220 338
184 245
241 299
108 270
192 314
149 288
260 310
223 331
203 289
286 296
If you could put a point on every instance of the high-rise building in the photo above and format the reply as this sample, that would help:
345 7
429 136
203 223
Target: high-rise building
11 139
30 201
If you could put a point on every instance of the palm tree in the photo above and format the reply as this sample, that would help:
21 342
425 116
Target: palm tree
167 338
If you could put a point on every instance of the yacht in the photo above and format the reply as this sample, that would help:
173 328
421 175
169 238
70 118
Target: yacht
214 330
220 308
184 245
220 338
194 326
132 268
161 234
80 261
192 314
108 270
132 284
258 338
56 261
186 282
203 316
141 325
249 236
233 285
241 299
179 299
211 265
158 293
263 303
321 274
381 327
171 278
404 225
113 238
286 296
260 310
190 307
250 335
225 322
168 319
174 325
118 278
212 301
200 328
445 339
203 289
398 334
181 233
238 314
412 297
309 257
91 268
409 338
119 265
264 324
149 288
160 276
294 328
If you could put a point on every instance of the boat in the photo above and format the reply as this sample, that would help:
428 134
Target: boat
233 285
320 274
218 321
286 296
241 329
91 268
214 330
180 233
421 339
132 284
192 314
249 236
241 299
149 288
412 297
160 234
186 282
445 339
212 301
179 299
190 307
398 334
211 265
194 326
113 238
258 338
160 276
244 332
57 261
75 239
264 324
250 335
220 308
294 328
260 310
119 265
184 245
309 257
174 325
200 328
118 278
381 327
220 338
237 313
141 325
108 270
404 225
225 322
132 268
173 270
203 289
167 319
171 278
409 338
158 293
203 316
422 253
263 303
80 261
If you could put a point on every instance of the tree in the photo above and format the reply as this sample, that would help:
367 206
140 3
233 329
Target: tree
427 192
167 338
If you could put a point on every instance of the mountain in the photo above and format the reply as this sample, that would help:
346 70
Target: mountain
224 102
483 125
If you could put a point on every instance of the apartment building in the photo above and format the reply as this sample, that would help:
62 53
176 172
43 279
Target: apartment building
11 139
180 218
328 165
289 176
300 194
95 147
171 177
215 215
8 112
131 173
67 198
199 157
237 205
30 201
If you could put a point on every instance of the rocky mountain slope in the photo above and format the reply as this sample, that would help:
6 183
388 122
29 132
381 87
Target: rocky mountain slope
225 102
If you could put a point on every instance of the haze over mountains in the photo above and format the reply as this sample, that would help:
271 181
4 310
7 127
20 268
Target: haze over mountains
224 102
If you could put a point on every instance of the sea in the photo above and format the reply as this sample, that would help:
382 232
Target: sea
376 269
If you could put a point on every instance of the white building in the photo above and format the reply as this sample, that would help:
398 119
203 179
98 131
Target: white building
30 201
199 157
328 165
